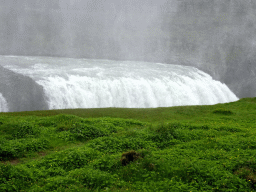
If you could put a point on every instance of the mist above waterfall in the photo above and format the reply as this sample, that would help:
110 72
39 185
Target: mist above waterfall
216 36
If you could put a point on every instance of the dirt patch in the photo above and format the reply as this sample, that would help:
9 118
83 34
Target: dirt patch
12 162
42 153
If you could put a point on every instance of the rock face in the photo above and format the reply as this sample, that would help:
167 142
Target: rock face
216 36
21 93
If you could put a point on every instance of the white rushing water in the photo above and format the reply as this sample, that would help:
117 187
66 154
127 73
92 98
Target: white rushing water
87 83
3 104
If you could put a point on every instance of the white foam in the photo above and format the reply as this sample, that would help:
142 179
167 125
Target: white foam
85 83
130 92
3 104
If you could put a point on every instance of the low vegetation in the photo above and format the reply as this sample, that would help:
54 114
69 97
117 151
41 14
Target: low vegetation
189 148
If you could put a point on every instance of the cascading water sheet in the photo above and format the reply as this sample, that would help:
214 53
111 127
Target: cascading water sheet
86 83
3 104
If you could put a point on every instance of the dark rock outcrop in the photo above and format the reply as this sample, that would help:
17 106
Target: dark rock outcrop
21 93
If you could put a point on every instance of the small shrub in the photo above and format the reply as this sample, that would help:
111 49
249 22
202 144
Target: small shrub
129 156
247 173
165 135
19 147
118 122
229 129
64 127
20 129
85 132
223 112
14 178
58 183
47 122
119 144
148 165
92 178
108 163
69 159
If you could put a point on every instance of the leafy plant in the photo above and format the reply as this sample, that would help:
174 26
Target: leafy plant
20 147
20 129
223 111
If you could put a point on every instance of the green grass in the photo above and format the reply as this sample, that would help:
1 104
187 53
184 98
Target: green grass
189 148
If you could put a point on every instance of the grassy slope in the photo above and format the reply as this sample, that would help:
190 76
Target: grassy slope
190 148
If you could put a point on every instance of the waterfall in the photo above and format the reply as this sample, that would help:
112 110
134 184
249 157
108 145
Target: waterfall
3 104
87 92
87 83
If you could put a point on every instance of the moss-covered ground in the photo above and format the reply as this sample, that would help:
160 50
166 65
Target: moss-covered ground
188 148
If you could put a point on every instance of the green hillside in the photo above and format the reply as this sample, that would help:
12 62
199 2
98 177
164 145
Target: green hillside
188 148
